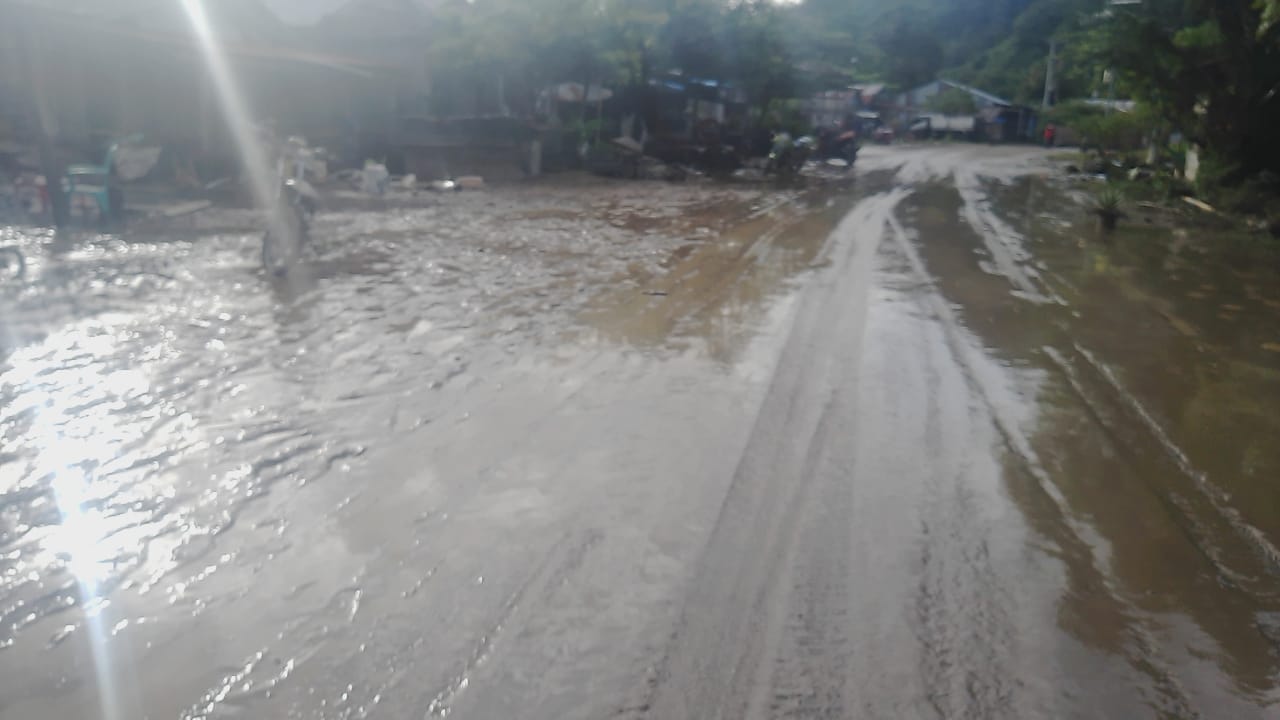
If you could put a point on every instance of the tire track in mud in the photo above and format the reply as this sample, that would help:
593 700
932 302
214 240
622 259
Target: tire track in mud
1188 508
1216 541
561 562
1005 245
770 622
1143 654
1266 551
963 609
732 624
969 616
771 618
1221 543
1002 242
772 627
1242 558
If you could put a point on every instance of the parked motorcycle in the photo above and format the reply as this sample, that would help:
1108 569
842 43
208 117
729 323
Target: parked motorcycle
838 144
788 156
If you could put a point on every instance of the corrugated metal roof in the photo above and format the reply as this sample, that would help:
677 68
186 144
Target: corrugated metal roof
869 91
993 99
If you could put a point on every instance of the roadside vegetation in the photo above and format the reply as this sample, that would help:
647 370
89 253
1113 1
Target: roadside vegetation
1205 73
1200 78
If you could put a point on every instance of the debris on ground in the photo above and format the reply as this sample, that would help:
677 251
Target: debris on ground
374 179
628 144
654 169
1199 205
170 209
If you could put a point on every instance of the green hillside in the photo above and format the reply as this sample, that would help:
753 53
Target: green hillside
1209 69
999 45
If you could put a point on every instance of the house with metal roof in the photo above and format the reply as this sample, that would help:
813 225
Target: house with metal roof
993 118
919 97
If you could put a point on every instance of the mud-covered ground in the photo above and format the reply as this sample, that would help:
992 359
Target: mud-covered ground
920 444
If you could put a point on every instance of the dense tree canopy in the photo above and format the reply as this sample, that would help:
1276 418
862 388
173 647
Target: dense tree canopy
1210 68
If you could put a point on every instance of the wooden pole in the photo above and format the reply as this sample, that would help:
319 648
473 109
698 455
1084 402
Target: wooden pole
1050 82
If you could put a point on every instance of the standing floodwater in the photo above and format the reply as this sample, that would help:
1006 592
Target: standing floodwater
918 443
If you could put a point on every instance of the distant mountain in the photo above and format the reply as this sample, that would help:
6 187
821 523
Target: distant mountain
997 45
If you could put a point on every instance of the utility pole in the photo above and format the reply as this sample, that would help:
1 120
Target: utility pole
1109 78
1050 82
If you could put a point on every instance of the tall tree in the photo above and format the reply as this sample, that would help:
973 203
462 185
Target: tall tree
1213 68
761 60
913 53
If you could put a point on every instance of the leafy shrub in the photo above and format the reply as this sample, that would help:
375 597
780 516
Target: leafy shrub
1108 201
1108 131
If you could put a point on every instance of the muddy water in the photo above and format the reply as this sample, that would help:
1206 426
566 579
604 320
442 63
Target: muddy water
922 445
712 288
963 497
213 482
1157 412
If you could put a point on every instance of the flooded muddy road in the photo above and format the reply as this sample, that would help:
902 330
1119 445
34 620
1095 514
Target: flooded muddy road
919 445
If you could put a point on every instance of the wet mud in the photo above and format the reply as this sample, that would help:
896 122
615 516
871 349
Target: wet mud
918 444
187 439
982 509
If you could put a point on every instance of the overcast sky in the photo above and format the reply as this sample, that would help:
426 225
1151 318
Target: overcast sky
304 11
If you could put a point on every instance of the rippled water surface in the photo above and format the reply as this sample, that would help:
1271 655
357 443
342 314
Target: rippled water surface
522 452
154 387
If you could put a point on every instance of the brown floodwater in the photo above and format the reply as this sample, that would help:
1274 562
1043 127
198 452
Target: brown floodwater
917 441
1159 408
